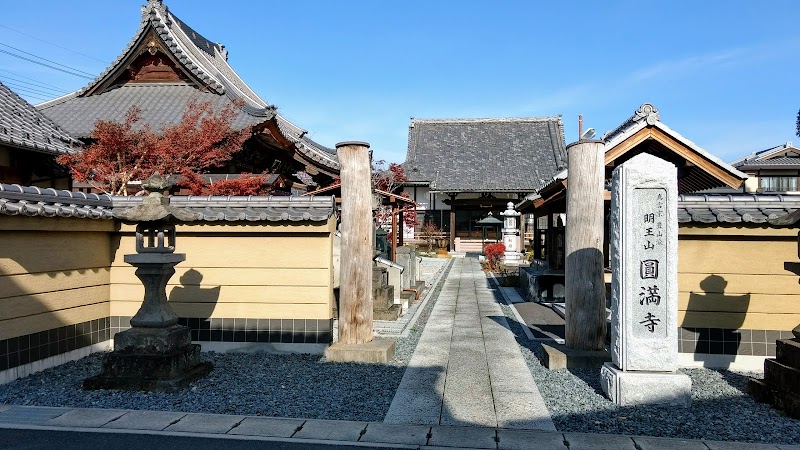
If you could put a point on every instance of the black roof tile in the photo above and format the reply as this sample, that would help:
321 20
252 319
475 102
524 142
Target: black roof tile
485 155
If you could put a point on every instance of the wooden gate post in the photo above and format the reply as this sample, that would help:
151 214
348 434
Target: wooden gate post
355 292
583 269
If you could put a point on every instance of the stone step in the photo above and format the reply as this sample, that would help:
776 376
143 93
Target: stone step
392 313
787 402
788 352
782 377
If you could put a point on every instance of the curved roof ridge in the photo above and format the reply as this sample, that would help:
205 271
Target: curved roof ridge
305 145
646 113
489 119
217 64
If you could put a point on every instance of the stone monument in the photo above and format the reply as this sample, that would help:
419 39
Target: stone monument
511 235
644 287
156 354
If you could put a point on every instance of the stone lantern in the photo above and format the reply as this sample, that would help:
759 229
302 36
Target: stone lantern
155 353
511 234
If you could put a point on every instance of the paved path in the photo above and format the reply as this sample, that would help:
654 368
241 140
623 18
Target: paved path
467 368
68 428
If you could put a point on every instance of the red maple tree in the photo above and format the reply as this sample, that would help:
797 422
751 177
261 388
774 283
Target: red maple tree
390 180
124 152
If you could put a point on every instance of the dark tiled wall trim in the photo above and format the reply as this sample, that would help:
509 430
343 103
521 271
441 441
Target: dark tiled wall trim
289 331
720 341
26 349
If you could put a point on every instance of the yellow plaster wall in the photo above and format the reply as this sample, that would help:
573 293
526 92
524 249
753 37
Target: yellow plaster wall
53 272
734 277
250 270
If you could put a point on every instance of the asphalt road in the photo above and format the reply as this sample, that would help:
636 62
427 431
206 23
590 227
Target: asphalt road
38 439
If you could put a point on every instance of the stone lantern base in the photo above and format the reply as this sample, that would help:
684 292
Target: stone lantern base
151 359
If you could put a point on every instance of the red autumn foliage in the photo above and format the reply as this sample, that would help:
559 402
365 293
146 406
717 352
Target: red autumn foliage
247 184
130 151
390 180
494 255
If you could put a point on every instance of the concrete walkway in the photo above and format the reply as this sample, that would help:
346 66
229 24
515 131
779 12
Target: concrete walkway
467 369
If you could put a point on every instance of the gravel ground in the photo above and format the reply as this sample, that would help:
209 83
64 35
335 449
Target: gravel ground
260 384
721 408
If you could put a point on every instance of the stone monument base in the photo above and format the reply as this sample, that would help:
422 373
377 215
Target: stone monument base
513 258
151 359
375 351
645 388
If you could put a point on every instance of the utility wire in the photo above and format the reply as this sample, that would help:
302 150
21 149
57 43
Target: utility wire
34 80
30 93
8 79
45 65
45 59
16 86
53 44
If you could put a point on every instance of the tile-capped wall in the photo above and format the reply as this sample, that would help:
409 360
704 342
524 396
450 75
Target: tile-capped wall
289 331
720 341
26 349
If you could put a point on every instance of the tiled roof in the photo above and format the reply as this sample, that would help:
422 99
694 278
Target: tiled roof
772 158
313 150
735 208
21 125
647 115
777 162
161 104
485 155
33 201
232 208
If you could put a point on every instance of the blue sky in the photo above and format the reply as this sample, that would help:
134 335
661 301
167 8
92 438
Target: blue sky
722 73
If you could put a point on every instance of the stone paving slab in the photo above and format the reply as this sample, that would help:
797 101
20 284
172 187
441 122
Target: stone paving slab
420 378
729 445
409 403
529 440
86 418
470 406
268 426
469 437
598 442
519 410
396 434
145 420
205 423
653 443
331 430
32 415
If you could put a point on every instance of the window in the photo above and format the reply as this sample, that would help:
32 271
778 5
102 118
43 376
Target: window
777 184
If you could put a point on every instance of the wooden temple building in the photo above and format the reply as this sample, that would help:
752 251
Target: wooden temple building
166 65
460 170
